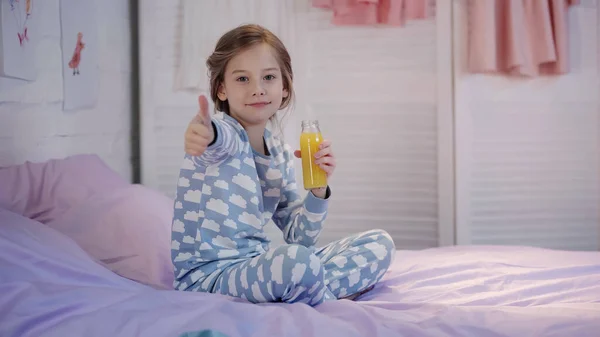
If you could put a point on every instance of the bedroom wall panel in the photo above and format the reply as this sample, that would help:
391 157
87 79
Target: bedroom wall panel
376 93
528 150
383 96
32 124
421 145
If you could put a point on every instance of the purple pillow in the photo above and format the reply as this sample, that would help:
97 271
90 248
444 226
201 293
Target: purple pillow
128 230
124 227
44 191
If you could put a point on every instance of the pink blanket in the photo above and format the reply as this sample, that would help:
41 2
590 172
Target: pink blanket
51 288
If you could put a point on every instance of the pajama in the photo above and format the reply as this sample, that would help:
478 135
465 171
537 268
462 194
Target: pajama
294 273
224 199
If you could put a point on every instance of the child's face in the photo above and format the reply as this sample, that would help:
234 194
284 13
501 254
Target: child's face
253 86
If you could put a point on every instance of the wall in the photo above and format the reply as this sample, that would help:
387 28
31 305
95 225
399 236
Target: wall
518 161
165 112
32 124
528 150
383 96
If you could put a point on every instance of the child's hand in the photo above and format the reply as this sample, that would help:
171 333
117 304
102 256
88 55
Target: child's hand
200 131
324 157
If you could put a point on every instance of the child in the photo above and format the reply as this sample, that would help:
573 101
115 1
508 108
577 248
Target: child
236 177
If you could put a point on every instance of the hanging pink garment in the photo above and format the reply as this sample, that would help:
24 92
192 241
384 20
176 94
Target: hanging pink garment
370 12
518 37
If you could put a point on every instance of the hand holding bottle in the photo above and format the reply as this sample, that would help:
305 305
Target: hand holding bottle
318 161
324 157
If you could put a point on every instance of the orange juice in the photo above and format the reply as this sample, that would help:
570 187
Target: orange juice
310 138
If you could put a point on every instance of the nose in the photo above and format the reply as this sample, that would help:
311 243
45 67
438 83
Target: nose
258 90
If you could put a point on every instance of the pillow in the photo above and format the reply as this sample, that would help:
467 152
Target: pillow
34 253
128 230
44 191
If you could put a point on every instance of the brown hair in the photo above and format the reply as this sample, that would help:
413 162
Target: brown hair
238 40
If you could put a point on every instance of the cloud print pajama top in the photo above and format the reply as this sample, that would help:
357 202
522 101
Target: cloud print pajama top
224 199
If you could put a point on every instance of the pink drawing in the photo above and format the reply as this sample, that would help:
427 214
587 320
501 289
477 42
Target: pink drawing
74 63
15 8
23 37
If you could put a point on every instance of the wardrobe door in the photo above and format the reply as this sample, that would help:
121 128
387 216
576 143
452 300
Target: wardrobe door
528 149
382 95
171 82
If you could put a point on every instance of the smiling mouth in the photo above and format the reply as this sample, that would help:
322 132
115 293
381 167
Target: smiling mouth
259 104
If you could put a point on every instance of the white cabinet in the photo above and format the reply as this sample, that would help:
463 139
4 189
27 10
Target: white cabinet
431 154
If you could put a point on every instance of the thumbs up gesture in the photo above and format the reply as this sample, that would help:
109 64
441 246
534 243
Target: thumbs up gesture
200 131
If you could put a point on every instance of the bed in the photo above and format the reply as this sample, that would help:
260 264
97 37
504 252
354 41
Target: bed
66 272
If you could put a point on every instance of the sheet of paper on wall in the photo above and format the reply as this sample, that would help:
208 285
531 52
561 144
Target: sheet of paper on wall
79 40
19 35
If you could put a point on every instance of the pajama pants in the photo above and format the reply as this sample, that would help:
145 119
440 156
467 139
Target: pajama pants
294 273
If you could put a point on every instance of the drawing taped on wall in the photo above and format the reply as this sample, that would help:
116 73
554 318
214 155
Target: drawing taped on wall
80 54
18 27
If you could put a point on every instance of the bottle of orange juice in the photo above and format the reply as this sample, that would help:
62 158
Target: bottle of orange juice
310 138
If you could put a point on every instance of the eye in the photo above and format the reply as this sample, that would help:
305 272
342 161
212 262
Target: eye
269 77
242 79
